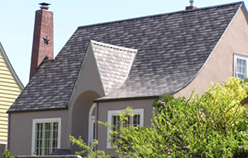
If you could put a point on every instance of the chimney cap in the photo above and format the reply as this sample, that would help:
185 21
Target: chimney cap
191 2
44 5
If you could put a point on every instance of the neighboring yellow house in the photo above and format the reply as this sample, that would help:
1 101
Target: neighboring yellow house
10 88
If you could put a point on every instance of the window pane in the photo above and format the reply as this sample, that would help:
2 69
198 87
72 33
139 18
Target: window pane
241 68
136 120
127 122
115 127
55 136
39 133
46 138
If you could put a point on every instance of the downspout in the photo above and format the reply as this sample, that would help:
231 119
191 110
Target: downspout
8 143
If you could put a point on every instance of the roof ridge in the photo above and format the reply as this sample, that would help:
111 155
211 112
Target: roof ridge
162 14
114 46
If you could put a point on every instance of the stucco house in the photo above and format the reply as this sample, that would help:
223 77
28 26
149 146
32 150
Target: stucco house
106 67
10 88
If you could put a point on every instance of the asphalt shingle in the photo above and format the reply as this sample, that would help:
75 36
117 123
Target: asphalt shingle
114 64
171 50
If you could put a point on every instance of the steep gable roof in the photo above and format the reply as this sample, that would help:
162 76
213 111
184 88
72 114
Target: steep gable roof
172 48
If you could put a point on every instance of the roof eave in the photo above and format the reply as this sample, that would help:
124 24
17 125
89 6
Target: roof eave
125 99
36 110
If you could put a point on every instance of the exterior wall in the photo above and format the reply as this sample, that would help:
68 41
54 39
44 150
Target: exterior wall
80 116
2 149
20 140
219 66
88 88
102 115
9 90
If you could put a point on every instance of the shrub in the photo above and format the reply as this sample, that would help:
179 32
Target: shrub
6 154
214 124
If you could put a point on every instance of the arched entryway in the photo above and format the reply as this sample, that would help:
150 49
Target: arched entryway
83 117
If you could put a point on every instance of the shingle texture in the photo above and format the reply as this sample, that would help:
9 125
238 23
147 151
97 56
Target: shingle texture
114 64
172 48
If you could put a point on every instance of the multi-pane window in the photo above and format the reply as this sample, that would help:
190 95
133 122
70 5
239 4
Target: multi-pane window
114 119
240 67
46 136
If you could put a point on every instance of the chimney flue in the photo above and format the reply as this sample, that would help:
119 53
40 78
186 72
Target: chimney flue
43 37
191 7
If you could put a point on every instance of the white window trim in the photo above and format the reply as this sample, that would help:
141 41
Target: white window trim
239 56
3 142
45 120
117 112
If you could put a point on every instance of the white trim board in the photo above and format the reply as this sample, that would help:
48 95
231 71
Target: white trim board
240 56
3 142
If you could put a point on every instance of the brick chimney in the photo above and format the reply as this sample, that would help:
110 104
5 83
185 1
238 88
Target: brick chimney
43 37
191 7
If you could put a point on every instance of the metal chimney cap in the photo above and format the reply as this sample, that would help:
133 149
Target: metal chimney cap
191 2
44 5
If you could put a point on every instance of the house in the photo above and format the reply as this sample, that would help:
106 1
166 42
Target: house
10 88
106 67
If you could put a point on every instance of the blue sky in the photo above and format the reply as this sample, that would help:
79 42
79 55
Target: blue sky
17 21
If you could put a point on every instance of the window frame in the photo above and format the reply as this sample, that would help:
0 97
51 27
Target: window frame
44 120
243 57
117 113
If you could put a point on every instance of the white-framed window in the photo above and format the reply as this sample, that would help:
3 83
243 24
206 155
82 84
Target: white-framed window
114 120
240 66
46 135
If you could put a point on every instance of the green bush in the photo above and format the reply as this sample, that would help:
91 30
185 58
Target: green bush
6 154
212 125
88 151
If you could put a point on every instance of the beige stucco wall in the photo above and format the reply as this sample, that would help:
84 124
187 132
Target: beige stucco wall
20 140
88 88
89 77
102 115
219 66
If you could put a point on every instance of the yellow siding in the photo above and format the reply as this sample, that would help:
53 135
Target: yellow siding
9 91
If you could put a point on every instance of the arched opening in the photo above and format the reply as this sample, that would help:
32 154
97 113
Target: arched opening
83 116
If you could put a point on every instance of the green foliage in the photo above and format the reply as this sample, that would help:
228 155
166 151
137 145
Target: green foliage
162 102
88 151
212 125
6 154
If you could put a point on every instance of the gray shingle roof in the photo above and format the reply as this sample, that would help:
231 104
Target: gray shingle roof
171 50
114 64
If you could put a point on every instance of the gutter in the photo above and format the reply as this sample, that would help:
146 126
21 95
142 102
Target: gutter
36 110
125 99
